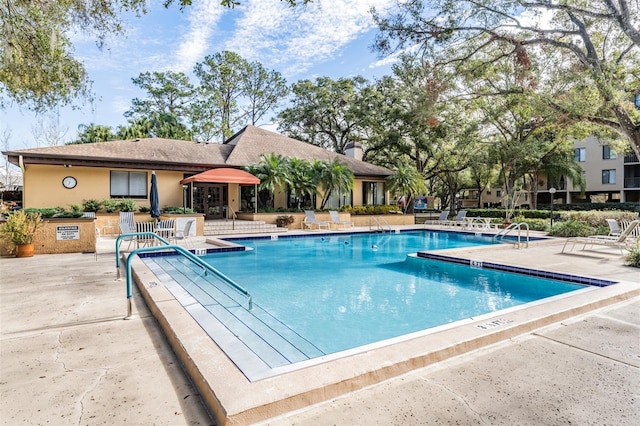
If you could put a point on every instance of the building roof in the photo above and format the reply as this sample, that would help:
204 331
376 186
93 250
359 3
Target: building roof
242 149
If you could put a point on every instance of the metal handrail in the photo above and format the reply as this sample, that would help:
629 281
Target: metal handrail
234 216
510 228
377 220
186 253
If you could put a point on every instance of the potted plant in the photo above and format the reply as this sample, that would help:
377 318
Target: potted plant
20 229
284 221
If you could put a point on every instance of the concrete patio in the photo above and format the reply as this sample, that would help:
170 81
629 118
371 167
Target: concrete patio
68 357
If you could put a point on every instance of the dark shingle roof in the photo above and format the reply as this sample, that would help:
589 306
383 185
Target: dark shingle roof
252 141
242 149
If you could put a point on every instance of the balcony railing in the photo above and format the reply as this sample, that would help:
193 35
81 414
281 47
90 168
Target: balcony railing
632 182
631 158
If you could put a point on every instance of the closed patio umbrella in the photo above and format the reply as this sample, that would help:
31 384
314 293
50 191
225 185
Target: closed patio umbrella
154 200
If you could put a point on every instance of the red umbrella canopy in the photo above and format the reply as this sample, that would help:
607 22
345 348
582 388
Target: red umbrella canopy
223 175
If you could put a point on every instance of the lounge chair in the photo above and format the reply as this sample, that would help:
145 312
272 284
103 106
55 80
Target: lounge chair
614 229
621 241
335 220
459 220
310 221
625 223
443 218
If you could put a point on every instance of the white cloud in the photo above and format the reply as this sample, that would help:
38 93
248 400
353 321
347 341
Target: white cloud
293 39
120 105
203 18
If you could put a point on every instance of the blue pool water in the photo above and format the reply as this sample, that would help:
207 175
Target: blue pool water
340 292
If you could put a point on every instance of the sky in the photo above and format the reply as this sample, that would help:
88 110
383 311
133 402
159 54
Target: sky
325 38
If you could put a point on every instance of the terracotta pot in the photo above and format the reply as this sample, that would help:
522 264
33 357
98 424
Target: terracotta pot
24 250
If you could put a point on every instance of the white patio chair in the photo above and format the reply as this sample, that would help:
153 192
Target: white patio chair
335 220
310 221
166 229
125 228
185 233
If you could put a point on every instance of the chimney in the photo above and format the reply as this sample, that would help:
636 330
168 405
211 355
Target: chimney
353 150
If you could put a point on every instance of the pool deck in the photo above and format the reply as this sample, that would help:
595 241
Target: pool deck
68 357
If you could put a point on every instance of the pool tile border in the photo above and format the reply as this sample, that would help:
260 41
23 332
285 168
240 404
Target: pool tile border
577 279
199 252
506 238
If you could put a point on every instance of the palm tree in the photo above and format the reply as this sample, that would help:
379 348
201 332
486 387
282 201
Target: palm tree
93 133
272 170
333 176
406 181
302 179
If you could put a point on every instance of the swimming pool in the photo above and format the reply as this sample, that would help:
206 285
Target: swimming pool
241 388
321 295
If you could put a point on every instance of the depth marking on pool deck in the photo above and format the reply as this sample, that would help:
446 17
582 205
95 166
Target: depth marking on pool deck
493 324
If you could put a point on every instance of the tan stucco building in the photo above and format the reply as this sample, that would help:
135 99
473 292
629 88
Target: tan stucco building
73 174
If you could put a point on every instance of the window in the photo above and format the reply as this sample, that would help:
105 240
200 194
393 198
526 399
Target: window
580 154
129 184
609 176
373 193
608 153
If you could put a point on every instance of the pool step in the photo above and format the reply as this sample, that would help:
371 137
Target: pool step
258 341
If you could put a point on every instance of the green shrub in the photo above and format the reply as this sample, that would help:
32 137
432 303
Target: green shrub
627 206
371 209
55 212
110 205
177 210
597 218
535 224
45 212
571 229
127 205
144 209
633 258
500 213
91 206
76 208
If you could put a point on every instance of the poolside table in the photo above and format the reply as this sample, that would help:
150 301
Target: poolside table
478 222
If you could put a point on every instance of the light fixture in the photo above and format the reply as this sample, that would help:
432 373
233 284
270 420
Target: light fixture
184 198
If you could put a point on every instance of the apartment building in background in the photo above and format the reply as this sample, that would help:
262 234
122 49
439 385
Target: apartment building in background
610 177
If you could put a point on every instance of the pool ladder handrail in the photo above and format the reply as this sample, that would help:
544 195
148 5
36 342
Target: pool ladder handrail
518 227
378 220
167 246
